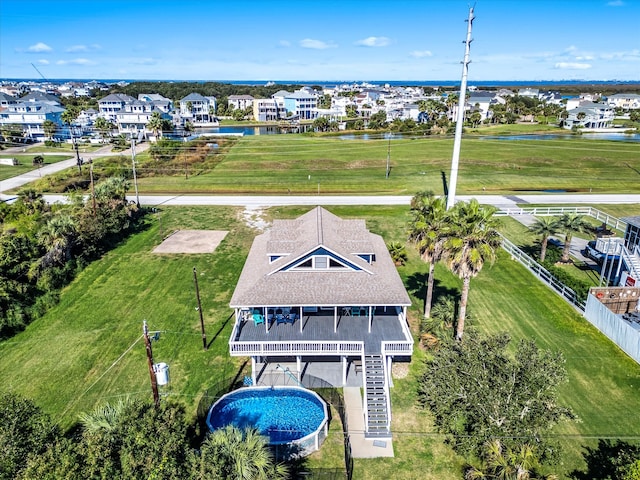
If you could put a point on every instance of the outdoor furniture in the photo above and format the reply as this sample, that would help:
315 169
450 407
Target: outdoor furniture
355 311
280 319
258 318
346 311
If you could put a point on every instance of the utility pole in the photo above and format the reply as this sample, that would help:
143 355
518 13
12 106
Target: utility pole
152 372
75 146
93 190
451 197
204 335
133 163
388 157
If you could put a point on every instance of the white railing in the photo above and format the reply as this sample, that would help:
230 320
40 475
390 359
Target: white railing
387 394
543 274
599 215
395 348
296 348
632 260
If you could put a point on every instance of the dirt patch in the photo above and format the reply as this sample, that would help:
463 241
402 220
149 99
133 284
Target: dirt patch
400 370
191 241
253 217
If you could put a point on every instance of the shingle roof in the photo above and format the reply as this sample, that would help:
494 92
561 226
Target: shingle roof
264 283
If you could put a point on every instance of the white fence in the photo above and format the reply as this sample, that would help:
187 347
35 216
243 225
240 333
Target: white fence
599 215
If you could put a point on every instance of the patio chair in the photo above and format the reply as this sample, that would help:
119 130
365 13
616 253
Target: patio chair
355 311
280 318
258 318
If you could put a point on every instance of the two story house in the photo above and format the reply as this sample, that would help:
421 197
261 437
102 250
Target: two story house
320 289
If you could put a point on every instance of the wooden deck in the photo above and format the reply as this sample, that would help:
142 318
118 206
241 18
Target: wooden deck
319 327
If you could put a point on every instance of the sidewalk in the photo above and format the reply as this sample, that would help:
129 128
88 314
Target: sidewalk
362 447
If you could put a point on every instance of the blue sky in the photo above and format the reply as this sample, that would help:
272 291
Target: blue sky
328 40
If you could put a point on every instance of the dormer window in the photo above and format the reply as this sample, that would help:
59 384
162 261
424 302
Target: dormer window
319 262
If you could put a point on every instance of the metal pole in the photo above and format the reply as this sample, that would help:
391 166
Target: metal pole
152 372
75 145
133 163
451 197
93 190
388 156
204 335
604 263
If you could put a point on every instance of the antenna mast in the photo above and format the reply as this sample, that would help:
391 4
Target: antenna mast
451 197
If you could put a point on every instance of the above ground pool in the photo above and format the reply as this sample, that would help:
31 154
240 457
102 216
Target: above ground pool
285 415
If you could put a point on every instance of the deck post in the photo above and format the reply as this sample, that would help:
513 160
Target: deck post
389 365
298 365
266 321
253 370
370 318
335 319
344 370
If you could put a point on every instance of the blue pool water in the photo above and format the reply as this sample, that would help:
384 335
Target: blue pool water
281 414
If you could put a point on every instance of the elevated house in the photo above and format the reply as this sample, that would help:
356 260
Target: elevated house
323 290
591 116
113 103
30 116
198 109
625 101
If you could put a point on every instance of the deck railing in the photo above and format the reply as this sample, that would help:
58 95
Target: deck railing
319 347
599 215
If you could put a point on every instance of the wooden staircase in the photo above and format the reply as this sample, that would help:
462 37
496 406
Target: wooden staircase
376 398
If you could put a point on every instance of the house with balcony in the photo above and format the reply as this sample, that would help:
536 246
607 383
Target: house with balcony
302 104
268 110
199 110
240 102
625 101
590 116
132 120
31 116
324 290
110 105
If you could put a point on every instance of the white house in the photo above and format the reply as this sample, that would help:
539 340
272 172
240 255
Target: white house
268 110
590 116
110 105
302 104
198 109
240 102
132 120
31 116
626 101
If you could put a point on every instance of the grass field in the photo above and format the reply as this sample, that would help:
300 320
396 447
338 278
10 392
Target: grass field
87 350
309 164
26 164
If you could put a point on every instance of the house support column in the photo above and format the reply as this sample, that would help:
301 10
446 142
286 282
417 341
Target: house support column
266 321
344 370
300 319
389 360
298 367
253 371
335 319
370 317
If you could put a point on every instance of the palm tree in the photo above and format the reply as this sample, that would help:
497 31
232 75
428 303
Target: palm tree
398 252
507 464
104 126
472 241
155 124
49 128
428 230
56 236
570 223
545 227
235 454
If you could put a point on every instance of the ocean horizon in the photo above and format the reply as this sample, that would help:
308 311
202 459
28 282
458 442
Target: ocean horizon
329 83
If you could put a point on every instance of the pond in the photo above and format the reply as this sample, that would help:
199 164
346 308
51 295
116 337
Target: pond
619 137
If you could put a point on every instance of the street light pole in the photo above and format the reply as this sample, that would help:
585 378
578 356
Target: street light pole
204 335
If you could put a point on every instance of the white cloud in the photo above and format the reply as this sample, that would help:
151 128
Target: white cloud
43 61
585 57
144 61
572 66
39 48
77 48
615 3
75 61
374 42
284 43
316 44
421 53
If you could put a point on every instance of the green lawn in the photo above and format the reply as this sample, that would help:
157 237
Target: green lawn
87 350
25 164
307 164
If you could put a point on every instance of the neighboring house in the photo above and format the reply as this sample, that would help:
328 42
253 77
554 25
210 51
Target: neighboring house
41 97
480 101
529 92
87 117
198 109
268 110
590 116
31 116
161 103
133 118
322 290
240 102
301 104
626 101
111 104
6 100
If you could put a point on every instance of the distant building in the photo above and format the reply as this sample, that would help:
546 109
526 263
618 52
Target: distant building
240 102
31 115
268 110
626 101
198 109
110 105
590 116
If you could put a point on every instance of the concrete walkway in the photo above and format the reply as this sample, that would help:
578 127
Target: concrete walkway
362 447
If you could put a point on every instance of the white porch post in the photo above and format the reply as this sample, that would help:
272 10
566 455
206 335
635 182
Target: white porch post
253 370
300 319
344 370
335 319
266 322
389 365
298 366
370 318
